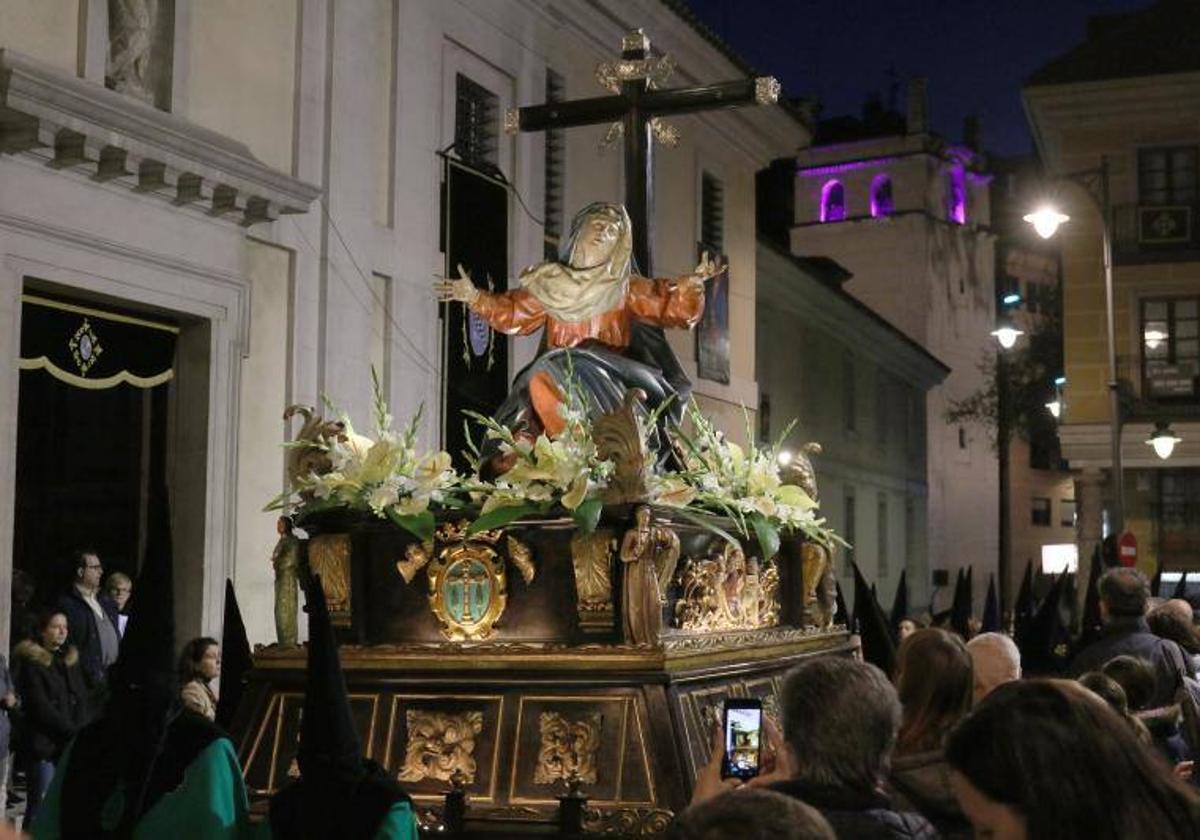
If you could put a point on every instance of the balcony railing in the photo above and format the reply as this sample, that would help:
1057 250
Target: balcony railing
1156 233
1160 394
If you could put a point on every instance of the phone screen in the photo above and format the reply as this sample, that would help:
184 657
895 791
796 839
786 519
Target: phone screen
743 739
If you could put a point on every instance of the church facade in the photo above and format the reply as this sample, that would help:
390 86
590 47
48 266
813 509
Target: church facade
264 182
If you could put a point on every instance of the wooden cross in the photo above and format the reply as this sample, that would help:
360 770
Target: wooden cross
637 105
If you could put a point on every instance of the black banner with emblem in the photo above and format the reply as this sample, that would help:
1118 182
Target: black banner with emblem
87 347
474 357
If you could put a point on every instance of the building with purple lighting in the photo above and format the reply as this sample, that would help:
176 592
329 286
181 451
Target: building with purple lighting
908 214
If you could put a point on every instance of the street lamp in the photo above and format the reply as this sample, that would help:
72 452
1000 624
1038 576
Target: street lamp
1007 335
1163 440
1046 221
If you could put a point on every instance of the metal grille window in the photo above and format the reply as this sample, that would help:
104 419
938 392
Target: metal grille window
848 532
712 212
1167 176
476 123
881 537
1170 347
556 145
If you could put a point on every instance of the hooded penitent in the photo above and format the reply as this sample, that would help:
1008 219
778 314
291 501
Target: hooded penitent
122 765
877 645
991 609
236 660
339 793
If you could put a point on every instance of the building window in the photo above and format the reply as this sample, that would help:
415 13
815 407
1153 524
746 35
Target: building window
554 169
882 409
1167 176
882 536
712 212
833 202
848 533
849 394
956 195
1170 347
476 124
1041 511
910 533
1066 513
882 203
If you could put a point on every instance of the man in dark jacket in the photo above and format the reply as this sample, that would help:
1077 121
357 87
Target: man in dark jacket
840 720
1124 593
91 618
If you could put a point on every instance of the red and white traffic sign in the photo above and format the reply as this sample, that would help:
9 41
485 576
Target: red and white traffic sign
1127 549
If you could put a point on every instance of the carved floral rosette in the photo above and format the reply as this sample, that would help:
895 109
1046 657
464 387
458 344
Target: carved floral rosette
440 745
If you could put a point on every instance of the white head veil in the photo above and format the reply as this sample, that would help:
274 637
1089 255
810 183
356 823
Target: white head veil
574 293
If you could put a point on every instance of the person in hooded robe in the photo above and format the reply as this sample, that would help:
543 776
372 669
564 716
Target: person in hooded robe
148 767
340 793
601 325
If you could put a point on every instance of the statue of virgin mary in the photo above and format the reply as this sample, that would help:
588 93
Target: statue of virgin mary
601 321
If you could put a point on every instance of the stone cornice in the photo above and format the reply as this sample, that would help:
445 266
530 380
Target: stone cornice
71 123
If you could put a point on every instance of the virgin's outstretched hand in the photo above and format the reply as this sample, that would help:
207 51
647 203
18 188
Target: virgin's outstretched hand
459 288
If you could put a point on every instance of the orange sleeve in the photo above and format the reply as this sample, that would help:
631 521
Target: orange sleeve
513 313
667 303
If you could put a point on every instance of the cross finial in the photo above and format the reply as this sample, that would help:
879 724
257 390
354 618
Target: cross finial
634 42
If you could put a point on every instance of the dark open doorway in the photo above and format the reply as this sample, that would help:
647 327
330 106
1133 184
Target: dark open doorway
91 436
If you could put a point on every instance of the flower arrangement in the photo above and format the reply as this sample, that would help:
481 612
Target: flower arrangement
720 477
389 477
565 471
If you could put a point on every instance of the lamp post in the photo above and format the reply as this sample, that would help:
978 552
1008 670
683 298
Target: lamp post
1046 221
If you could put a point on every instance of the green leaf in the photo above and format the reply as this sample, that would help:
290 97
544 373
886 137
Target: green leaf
420 525
766 533
500 517
587 515
708 525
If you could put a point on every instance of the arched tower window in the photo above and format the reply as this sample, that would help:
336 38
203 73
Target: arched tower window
956 195
833 201
882 203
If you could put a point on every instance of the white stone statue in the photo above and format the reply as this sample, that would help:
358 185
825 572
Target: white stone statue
129 44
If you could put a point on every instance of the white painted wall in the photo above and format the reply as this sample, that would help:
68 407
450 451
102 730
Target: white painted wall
356 98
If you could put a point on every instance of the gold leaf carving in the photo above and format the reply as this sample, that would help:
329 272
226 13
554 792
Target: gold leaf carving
726 592
592 557
329 557
522 558
568 747
440 744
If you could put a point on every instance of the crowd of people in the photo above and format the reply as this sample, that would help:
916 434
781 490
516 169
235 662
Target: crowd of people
958 742
57 682
951 739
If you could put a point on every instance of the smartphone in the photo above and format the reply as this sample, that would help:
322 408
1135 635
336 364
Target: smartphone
742 726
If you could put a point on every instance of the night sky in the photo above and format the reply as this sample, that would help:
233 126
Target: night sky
976 53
